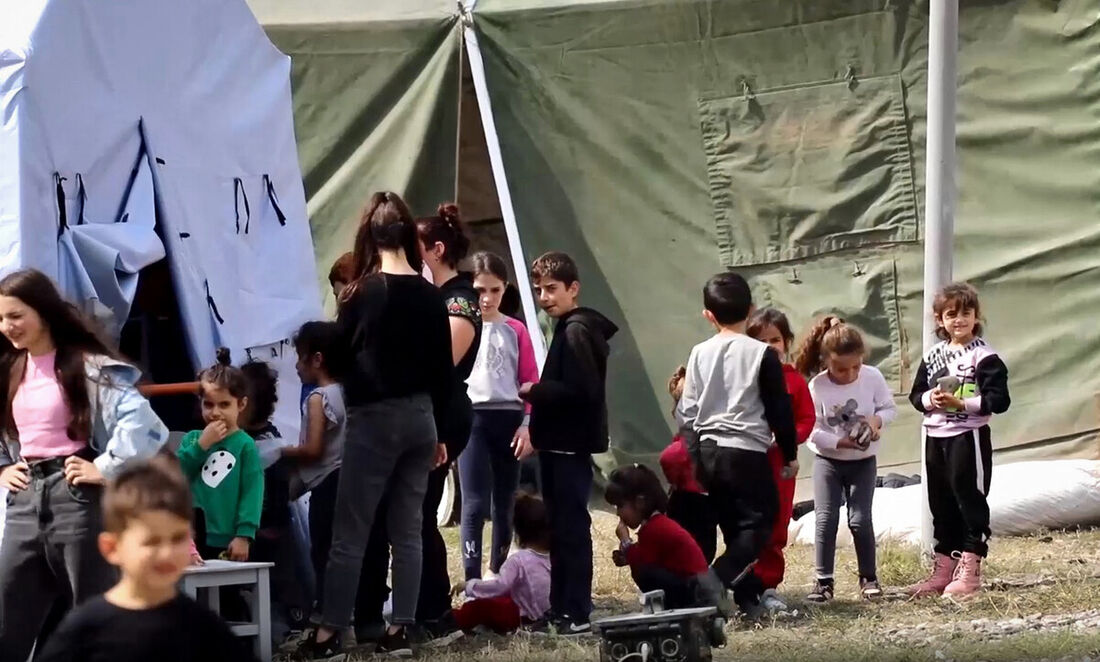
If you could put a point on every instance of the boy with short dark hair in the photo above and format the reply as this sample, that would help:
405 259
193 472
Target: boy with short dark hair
735 398
147 534
568 425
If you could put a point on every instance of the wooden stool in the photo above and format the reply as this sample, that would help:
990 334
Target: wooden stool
212 575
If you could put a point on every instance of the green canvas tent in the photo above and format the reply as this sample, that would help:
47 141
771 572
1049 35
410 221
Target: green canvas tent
661 141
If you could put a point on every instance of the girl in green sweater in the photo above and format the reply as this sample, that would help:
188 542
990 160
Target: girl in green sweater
223 466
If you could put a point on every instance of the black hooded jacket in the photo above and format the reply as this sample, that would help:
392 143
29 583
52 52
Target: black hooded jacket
569 404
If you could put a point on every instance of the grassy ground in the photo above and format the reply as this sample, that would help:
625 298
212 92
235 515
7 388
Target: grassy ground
1047 574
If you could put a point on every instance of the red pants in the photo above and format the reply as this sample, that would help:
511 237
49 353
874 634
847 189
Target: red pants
500 615
771 565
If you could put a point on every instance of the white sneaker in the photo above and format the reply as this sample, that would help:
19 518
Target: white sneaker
771 602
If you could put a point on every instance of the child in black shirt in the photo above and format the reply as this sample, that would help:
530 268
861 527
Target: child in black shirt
147 534
569 425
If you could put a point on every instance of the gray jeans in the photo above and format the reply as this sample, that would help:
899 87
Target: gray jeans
854 482
389 449
49 553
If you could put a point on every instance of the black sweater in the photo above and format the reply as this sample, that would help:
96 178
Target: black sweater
396 331
569 404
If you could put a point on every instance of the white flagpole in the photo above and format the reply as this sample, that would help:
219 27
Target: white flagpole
939 177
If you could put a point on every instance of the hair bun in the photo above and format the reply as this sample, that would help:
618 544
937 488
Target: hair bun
223 356
448 211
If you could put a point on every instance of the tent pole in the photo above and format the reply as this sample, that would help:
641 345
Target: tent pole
496 160
939 177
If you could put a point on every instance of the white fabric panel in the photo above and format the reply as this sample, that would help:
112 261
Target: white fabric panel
99 262
77 78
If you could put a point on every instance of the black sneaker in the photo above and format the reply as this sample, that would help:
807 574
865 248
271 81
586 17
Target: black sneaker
567 627
822 592
310 649
870 589
395 644
369 633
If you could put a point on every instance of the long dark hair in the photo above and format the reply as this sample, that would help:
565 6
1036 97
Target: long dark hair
74 338
445 228
485 262
263 394
386 225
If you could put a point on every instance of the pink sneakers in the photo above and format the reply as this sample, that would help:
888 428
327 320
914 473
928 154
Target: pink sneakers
943 570
968 577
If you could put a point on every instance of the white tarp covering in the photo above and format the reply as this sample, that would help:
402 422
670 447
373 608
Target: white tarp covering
157 111
1024 498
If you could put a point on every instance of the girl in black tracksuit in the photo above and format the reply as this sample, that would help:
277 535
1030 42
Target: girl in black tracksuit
960 384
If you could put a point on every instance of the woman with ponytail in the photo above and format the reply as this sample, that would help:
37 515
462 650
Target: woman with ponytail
397 390
443 246
853 403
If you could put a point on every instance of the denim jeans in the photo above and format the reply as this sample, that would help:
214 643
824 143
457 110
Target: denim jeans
390 448
49 553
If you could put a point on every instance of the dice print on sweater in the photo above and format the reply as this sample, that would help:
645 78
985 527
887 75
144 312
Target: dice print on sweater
217 467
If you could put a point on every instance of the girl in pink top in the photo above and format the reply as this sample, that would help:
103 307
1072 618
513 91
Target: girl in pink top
72 418
489 467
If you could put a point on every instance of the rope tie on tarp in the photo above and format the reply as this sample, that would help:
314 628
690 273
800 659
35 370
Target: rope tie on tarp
81 198
274 199
210 302
62 215
238 193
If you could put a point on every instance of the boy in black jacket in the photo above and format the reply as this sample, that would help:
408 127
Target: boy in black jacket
568 425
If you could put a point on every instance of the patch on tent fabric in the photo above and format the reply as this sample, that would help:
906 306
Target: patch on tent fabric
803 171
861 290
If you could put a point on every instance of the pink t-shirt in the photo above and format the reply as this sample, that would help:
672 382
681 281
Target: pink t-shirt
41 413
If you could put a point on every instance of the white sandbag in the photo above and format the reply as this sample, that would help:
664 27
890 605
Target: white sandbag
1055 494
1024 498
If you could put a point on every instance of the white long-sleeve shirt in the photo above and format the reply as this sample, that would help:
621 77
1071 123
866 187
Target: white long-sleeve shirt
841 408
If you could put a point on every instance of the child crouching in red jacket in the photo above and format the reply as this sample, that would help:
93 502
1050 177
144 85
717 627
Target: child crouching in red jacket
771 327
665 556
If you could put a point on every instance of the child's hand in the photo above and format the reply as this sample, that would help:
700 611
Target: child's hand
521 444
440 456
953 403
789 471
623 532
525 390
238 549
618 558
875 423
212 434
458 589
